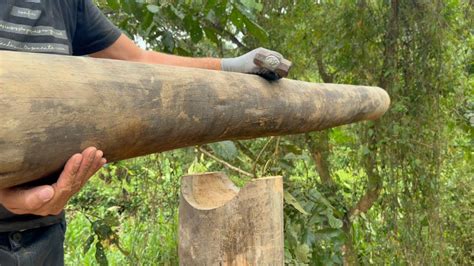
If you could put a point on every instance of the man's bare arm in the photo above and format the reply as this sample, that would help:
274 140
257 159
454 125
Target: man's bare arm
126 49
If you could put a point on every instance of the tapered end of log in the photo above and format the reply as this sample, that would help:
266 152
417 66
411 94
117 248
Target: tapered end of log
220 224
382 108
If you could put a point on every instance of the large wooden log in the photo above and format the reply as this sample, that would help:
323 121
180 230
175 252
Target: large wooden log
54 106
222 225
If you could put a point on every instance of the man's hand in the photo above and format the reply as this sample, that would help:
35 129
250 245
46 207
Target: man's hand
246 64
50 200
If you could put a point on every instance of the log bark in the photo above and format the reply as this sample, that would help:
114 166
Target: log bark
222 225
54 106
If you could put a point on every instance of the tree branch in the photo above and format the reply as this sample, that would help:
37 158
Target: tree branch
366 202
245 150
226 164
322 70
229 34
254 168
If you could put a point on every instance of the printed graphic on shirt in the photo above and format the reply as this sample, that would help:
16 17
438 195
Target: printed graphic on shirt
26 26
32 30
33 47
25 13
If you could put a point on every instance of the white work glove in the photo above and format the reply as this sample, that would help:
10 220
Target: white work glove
245 64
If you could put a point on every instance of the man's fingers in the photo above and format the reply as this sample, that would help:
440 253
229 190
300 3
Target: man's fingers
89 155
76 172
69 180
71 169
23 201
97 164
73 164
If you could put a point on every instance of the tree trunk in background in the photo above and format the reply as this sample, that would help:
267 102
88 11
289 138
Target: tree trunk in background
318 144
222 225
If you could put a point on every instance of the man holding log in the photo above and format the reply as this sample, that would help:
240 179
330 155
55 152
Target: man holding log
32 223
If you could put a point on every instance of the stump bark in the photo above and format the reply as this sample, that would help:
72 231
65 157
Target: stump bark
222 225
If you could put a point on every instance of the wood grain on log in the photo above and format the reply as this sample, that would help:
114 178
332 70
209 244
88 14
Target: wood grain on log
54 106
222 225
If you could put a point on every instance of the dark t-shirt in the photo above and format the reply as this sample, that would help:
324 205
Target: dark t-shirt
67 27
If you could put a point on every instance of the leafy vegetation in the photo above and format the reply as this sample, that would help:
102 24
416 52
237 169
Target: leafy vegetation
396 191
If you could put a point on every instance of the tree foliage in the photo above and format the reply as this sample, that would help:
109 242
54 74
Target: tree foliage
182 26
395 191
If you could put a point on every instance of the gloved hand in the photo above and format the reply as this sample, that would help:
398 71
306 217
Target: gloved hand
246 64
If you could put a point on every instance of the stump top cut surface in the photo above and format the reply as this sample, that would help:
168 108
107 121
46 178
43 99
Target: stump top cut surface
209 191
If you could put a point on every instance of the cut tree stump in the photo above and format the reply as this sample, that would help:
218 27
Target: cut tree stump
222 225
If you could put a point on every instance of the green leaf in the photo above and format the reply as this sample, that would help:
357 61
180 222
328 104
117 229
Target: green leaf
112 218
295 149
153 8
168 41
176 13
211 35
294 202
340 136
252 4
103 231
302 253
334 222
256 30
193 27
316 219
131 7
123 24
113 4
196 167
237 18
100 256
365 150
252 27
220 11
327 233
146 23
183 52
88 244
209 4
127 6
196 34
225 150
